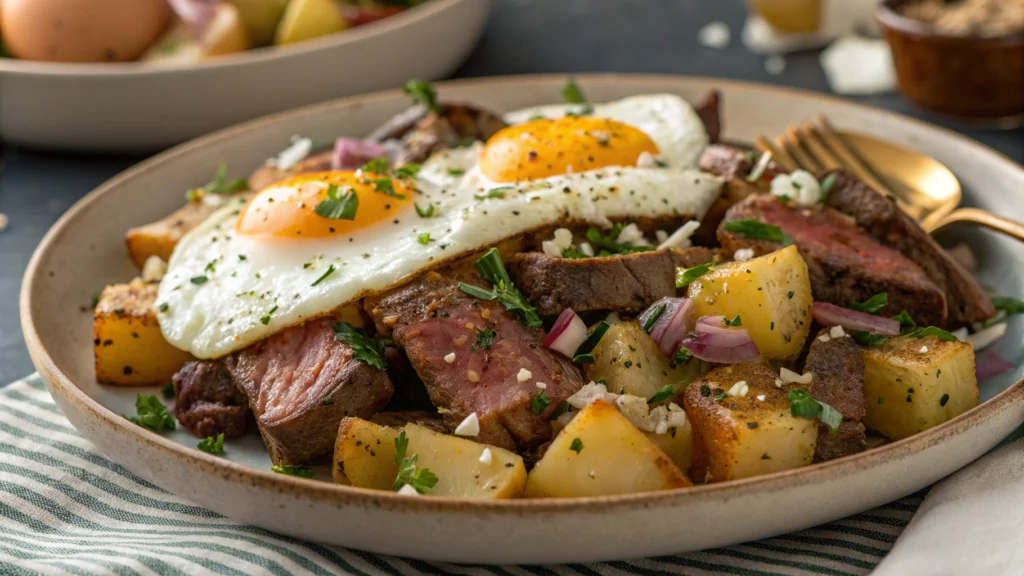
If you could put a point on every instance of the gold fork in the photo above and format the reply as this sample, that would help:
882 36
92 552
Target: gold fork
815 146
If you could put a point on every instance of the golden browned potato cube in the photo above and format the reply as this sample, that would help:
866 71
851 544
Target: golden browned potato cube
628 361
364 456
912 384
771 295
159 238
677 444
600 453
738 436
129 347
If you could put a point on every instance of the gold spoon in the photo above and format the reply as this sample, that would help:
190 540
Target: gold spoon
922 186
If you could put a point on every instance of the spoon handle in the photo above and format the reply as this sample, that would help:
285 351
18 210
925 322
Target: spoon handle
981 218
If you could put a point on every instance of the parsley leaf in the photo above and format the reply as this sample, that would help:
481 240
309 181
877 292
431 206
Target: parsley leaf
498 192
1008 305
573 254
408 170
424 212
932 331
485 338
421 480
364 348
865 338
576 446
593 338
386 186
754 230
492 270
871 305
151 414
220 184
455 171
168 391
198 280
583 359
686 276
803 405
423 238
827 183
663 394
608 244
266 319
212 444
540 402
652 318
905 320
335 208
300 471
561 409
735 321
572 93
330 270
423 93
682 356
376 166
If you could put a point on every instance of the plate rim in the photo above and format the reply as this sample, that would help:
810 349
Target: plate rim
59 383
254 56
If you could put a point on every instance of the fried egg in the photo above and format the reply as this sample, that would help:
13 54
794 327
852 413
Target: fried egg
253 269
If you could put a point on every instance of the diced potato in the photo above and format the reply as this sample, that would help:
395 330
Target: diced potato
677 444
912 384
771 295
601 453
630 362
742 436
130 350
260 17
307 19
159 238
364 456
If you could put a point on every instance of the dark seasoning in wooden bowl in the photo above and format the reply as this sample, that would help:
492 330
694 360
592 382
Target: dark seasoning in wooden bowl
960 58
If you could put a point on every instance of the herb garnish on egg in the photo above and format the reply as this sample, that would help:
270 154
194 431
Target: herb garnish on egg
335 208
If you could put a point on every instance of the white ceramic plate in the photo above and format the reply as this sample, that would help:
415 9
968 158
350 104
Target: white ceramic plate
133 107
85 250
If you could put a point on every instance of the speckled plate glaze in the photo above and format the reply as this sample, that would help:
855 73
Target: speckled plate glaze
85 251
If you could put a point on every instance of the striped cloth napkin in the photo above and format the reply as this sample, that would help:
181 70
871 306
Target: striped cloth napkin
67 509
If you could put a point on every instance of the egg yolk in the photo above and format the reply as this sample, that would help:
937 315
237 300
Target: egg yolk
289 208
544 148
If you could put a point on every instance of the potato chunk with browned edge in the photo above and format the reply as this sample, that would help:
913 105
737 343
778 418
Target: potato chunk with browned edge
628 361
742 425
130 350
600 453
912 384
771 295
364 456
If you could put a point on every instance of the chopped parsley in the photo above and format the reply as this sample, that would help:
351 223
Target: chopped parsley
151 414
421 479
168 391
219 185
576 446
932 331
330 270
456 171
300 471
735 321
865 338
338 208
424 212
540 402
593 338
789 295
663 394
765 456
198 280
498 192
608 244
423 238
754 230
944 399
871 305
1008 305
386 186
803 405
686 276
409 170
212 444
492 270
705 390
905 320
572 93
682 356
561 409
652 318
376 166
573 254
423 93
485 338
583 359
364 348
827 183
266 319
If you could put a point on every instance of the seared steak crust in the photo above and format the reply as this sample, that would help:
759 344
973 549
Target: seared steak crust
207 402
627 283
734 165
880 217
431 318
838 380
845 263
424 133
300 383
707 108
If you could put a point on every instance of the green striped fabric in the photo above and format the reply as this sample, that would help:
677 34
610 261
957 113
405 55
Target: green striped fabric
66 509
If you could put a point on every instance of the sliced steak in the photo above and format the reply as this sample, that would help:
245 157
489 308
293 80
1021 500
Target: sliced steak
882 218
627 283
424 133
300 383
838 380
707 108
207 401
410 394
432 319
846 264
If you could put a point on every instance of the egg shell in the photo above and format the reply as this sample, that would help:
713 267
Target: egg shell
81 30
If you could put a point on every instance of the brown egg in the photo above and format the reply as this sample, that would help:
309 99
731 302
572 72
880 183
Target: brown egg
81 30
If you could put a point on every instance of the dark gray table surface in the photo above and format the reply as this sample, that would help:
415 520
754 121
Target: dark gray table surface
522 37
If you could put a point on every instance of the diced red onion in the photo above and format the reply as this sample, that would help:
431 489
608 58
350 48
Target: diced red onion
351 153
712 325
196 14
567 334
991 364
728 347
831 315
670 327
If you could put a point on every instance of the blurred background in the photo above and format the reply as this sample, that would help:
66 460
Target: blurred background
90 87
